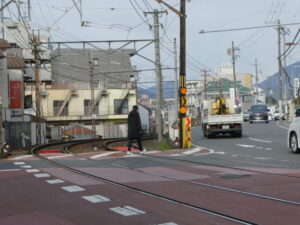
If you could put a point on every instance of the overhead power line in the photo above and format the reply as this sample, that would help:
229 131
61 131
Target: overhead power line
245 28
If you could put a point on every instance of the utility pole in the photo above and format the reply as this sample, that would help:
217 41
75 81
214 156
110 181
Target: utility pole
182 74
92 101
256 81
159 89
38 117
176 75
286 77
182 71
232 52
205 75
279 29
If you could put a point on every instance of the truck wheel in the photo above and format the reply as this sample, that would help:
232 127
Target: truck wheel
209 136
239 134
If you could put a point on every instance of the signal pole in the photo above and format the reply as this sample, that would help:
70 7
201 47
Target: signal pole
279 29
159 89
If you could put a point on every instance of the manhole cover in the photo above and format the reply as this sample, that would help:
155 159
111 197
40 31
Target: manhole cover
233 176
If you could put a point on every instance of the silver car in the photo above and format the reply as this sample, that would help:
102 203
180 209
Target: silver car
294 134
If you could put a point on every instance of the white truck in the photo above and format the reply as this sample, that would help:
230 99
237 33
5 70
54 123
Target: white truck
222 123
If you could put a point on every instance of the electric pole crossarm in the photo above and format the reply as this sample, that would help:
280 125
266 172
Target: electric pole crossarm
171 8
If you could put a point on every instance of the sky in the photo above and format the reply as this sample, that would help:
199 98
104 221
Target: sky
119 20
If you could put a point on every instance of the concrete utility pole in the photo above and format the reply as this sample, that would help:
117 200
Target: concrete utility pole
256 81
232 52
92 101
286 77
205 75
182 71
176 75
159 89
37 67
279 29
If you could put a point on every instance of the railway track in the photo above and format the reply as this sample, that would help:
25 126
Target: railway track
35 152
67 150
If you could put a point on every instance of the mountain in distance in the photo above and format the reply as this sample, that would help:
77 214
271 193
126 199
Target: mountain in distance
272 82
168 91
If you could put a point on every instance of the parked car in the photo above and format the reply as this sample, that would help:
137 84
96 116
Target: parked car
276 115
259 113
294 134
246 115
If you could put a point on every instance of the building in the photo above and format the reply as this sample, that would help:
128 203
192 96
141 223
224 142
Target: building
110 67
66 104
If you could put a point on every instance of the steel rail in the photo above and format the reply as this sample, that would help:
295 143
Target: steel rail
36 149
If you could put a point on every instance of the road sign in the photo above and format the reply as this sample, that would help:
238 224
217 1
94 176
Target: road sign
188 122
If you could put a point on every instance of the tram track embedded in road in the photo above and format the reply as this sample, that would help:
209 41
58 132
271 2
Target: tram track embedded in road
138 190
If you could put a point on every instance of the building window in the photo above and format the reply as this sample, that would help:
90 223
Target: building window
247 98
87 107
121 106
57 107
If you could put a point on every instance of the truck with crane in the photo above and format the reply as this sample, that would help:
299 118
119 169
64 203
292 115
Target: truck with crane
220 116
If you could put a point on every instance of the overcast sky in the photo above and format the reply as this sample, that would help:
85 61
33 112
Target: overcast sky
204 50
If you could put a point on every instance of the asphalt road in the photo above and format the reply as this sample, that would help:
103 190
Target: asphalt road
262 145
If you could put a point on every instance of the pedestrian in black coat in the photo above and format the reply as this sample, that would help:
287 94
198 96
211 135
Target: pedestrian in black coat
134 129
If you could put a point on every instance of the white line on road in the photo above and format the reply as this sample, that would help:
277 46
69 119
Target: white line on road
102 155
32 170
26 167
262 158
192 151
59 156
127 211
73 188
246 146
96 198
8 170
19 163
265 141
41 175
21 157
55 181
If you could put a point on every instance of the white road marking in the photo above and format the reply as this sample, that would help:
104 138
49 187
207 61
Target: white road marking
176 155
102 155
8 170
26 167
19 163
59 156
73 188
32 170
192 151
131 156
170 223
96 198
259 147
246 146
21 157
55 181
41 175
265 141
281 126
127 211
263 158
234 155
152 152
268 149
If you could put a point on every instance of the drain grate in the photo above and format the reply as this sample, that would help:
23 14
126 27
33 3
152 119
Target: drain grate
233 176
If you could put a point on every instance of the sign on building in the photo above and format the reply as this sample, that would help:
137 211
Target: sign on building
15 94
